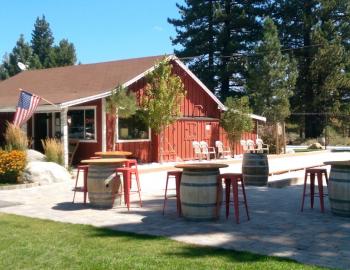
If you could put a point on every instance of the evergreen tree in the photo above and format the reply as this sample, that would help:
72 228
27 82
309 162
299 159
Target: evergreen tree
272 77
20 53
297 22
42 41
197 33
65 53
210 32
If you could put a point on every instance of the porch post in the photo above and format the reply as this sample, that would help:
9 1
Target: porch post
64 132
104 129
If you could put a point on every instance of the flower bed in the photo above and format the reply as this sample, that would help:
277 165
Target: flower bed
12 164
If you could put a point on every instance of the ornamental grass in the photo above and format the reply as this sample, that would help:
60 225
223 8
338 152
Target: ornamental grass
12 164
16 139
53 149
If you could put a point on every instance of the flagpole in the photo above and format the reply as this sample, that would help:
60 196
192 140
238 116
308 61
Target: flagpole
20 89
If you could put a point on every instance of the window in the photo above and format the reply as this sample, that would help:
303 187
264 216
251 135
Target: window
132 128
82 123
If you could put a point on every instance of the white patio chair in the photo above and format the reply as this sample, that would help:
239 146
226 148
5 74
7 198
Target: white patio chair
222 150
197 150
244 145
207 150
261 146
251 146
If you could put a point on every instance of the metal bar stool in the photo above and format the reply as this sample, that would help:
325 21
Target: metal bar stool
315 172
84 169
176 175
128 171
232 179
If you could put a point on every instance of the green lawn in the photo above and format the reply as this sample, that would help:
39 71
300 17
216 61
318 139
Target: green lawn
27 243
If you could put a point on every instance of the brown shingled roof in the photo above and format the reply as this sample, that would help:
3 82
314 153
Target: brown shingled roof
65 84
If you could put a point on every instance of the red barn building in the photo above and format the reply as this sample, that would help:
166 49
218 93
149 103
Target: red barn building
79 93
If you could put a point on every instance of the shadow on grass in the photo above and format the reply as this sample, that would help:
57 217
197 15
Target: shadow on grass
189 251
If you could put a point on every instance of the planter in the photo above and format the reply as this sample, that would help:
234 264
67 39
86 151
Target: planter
255 169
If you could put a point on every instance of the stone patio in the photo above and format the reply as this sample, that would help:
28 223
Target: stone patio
277 227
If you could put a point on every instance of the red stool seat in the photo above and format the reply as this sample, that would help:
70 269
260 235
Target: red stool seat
128 171
232 179
177 176
84 169
313 172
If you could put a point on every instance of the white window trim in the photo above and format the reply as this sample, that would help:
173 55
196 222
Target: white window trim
79 108
133 140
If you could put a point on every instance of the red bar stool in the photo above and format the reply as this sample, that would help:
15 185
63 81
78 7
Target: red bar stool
313 172
128 171
84 169
232 179
176 175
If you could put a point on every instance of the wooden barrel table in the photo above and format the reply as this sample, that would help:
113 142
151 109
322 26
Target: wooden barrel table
113 154
199 190
101 184
255 169
339 187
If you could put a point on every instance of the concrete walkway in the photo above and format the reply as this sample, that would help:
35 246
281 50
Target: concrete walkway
277 227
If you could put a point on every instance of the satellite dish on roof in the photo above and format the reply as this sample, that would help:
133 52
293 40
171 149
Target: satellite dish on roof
22 66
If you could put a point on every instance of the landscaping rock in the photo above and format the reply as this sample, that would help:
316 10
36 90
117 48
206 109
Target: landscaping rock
33 155
45 173
315 146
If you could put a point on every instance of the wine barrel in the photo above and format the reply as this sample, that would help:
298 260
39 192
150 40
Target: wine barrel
198 193
339 190
102 186
255 169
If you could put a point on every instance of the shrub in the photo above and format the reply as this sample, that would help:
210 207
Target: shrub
12 164
15 138
53 149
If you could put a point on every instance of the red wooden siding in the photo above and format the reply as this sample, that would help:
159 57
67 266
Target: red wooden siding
198 110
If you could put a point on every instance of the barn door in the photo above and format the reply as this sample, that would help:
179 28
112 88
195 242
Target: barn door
191 131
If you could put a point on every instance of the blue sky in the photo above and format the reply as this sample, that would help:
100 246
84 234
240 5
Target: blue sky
101 30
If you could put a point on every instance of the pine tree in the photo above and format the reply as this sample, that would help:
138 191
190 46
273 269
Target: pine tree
42 41
272 77
20 53
297 21
196 33
65 53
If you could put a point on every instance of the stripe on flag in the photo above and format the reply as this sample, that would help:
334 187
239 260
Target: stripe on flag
27 104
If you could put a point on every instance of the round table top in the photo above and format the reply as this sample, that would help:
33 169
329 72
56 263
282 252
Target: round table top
201 166
338 162
104 161
113 153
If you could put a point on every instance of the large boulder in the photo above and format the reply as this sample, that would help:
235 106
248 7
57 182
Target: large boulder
315 145
33 155
45 173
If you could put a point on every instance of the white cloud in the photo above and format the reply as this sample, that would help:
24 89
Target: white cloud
158 28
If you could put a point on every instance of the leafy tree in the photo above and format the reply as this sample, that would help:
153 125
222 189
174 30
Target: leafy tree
42 41
272 77
120 103
65 53
236 119
161 100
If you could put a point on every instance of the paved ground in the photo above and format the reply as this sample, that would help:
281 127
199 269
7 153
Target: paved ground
277 227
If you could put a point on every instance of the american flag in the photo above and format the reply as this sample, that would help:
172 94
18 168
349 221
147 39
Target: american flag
27 104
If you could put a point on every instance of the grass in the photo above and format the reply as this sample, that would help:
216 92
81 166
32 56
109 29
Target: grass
27 243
